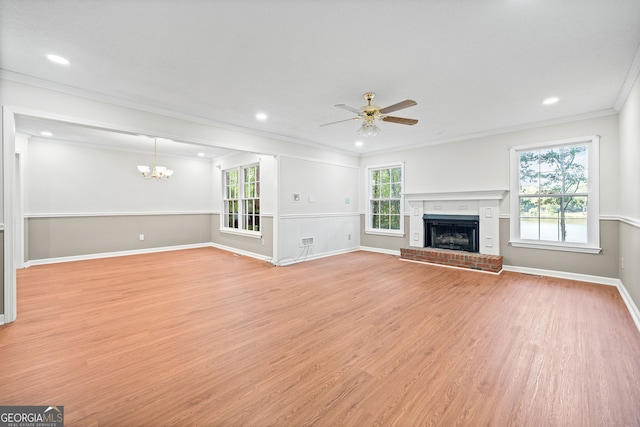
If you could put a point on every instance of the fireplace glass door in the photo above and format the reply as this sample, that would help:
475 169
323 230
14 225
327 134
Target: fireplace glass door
455 232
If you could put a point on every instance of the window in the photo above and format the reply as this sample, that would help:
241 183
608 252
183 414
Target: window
241 201
554 195
385 212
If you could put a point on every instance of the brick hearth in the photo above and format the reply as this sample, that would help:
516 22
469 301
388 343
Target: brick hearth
474 261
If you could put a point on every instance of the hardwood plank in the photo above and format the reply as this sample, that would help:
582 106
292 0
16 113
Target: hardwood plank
206 337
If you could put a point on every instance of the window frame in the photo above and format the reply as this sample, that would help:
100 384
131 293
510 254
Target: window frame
369 214
593 198
240 200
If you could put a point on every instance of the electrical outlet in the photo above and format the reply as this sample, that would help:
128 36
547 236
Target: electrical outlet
141 237
306 241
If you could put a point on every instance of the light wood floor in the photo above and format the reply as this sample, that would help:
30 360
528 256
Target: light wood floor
205 337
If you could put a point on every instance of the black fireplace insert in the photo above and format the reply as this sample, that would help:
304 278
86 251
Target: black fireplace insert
457 232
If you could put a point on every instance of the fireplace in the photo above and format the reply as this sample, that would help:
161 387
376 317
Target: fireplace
456 232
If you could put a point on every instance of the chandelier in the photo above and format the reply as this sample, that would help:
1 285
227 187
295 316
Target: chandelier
158 172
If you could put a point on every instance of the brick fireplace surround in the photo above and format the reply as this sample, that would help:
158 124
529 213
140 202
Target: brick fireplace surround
485 204
474 261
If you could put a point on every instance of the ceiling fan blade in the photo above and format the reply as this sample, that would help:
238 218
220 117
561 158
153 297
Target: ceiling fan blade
400 120
399 106
340 121
346 107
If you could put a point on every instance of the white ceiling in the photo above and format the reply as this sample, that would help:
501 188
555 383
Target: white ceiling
474 66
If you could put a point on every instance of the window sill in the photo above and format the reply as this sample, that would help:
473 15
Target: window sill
235 231
550 246
385 233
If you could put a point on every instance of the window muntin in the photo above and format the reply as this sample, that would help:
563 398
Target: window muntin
251 200
241 201
230 203
555 199
385 199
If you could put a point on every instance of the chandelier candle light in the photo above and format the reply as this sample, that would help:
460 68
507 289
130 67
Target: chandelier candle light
158 172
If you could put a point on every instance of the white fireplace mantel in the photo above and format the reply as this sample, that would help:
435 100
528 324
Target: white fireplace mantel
484 203
458 195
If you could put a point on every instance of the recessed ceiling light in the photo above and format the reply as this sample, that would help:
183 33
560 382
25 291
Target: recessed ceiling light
58 59
359 143
200 154
261 116
46 133
550 101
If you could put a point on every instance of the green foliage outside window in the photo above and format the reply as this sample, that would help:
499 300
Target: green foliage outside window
386 192
553 194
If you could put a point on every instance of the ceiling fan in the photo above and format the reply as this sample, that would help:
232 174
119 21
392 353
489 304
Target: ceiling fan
370 113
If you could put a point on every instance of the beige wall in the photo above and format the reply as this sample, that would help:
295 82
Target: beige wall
48 238
391 243
260 246
76 236
604 264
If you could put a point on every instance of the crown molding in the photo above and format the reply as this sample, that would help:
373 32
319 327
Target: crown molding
632 74
500 131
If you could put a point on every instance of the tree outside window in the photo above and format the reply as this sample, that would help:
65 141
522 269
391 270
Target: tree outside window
553 194
386 198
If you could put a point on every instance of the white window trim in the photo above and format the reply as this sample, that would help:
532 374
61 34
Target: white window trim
376 231
239 231
593 191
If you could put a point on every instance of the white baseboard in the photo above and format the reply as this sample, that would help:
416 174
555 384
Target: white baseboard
114 254
144 251
563 275
380 250
609 281
290 261
631 306
240 252
1 319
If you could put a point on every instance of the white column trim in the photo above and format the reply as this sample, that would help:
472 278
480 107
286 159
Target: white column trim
8 188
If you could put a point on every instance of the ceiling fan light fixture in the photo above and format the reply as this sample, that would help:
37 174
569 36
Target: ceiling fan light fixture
369 129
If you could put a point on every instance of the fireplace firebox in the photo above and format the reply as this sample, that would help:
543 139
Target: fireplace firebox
457 232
